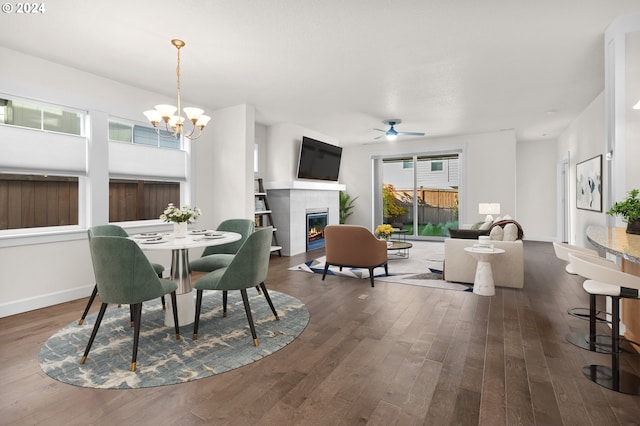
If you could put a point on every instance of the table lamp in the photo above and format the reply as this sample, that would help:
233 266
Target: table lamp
489 209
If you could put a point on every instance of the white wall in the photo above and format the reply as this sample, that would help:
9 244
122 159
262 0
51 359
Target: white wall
585 138
223 167
487 164
536 188
43 274
283 150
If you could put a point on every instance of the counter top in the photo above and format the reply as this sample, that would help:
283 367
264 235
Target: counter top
615 241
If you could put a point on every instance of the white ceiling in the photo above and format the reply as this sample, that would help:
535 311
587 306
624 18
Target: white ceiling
340 67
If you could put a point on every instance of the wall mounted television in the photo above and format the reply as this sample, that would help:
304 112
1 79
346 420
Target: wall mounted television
319 160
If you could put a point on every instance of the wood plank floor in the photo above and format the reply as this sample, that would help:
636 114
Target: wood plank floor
389 355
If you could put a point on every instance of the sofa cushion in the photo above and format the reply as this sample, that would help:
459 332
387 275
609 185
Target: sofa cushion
496 233
486 225
510 232
467 234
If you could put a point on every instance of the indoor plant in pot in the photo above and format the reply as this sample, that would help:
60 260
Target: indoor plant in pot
629 210
346 205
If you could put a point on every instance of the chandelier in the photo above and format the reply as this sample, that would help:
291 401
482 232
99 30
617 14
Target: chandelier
175 123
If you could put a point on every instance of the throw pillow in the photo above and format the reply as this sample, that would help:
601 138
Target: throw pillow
496 233
485 226
510 232
477 225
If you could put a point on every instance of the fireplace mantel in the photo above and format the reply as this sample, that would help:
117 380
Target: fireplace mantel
305 185
291 200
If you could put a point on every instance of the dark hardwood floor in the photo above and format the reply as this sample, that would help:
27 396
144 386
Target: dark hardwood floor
389 355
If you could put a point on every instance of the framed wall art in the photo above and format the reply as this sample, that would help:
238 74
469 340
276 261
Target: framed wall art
589 184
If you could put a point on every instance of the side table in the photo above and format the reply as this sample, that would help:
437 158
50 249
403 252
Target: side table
483 284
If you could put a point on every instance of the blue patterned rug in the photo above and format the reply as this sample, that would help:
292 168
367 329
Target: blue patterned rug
223 343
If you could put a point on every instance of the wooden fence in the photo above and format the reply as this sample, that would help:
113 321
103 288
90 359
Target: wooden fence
35 201
140 200
39 201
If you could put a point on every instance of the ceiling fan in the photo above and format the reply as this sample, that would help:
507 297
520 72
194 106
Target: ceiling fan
392 134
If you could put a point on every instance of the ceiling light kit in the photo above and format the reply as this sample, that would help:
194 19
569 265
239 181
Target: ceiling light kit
175 123
392 134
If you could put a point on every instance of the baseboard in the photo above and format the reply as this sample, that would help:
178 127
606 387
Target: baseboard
44 301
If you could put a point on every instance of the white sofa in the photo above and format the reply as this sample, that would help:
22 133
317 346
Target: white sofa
508 268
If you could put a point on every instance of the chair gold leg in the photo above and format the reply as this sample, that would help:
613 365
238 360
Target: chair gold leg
133 366
178 336
80 322
255 342
84 358
195 336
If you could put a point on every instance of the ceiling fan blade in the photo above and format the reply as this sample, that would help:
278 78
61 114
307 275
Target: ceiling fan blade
380 130
410 134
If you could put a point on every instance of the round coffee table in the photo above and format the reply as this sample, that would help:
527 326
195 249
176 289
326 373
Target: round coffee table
401 248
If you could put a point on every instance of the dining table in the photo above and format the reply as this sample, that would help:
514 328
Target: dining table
626 247
180 270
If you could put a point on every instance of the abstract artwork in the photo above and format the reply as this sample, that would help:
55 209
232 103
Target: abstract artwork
589 184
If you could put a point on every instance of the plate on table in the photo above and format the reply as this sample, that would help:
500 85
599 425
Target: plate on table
213 235
147 235
198 232
154 240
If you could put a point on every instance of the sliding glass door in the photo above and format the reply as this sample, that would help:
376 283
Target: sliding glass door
420 193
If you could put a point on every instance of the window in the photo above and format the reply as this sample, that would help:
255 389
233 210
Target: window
120 131
420 194
31 201
34 116
131 200
437 166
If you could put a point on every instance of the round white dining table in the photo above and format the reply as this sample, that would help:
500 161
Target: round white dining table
180 271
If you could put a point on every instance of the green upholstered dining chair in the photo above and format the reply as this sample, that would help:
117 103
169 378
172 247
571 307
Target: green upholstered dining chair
125 276
216 257
112 231
247 269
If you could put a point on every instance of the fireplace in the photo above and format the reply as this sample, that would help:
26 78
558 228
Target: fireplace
316 222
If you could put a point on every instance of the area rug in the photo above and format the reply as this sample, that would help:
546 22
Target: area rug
223 343
423 267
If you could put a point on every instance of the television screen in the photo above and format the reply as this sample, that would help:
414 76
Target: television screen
319 160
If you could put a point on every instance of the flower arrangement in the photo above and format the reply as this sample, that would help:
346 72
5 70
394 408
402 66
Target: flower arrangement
384 231
180 215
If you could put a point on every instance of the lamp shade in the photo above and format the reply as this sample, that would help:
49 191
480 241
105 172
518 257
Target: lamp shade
489 209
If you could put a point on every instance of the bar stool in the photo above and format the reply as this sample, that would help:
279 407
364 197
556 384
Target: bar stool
562 251
600 282
591 341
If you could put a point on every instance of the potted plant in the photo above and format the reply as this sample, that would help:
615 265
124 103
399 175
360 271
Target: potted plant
346 205
629 210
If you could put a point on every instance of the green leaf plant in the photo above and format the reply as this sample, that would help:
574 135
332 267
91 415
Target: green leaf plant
346 206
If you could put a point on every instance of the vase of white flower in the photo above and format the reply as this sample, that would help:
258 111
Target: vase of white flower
180 217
